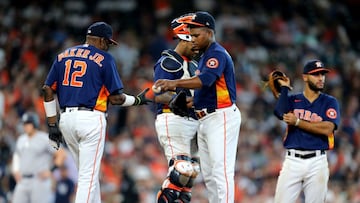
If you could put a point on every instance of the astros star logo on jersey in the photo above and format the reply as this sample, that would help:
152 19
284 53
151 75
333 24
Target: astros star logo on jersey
331 113
212 63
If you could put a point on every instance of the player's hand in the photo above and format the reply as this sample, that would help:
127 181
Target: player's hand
165 85
189 102
17 177
55 135
285 83
141 99
43 175
290 118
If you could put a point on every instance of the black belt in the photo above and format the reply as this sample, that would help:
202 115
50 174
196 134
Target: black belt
80 108
305 156
201 113
28 175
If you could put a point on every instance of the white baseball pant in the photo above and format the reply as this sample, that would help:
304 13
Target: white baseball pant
217 141
175 134
310 175
33 190
84 132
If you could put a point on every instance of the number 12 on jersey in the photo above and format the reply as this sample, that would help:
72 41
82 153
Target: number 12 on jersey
71 79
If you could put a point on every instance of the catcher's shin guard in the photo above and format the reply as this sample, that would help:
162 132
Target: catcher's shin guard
169 192
177 187
185 195
196 170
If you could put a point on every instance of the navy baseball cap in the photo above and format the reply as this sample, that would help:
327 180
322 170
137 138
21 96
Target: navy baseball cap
202 19
315 66
101 29
31 117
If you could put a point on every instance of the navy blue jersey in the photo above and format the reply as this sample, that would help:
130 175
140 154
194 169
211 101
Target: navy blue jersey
324 108
64 190
84 76
216 72
172 66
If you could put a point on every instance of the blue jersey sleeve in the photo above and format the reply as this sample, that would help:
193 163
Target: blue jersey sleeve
332 112
214 66
111 77
52 79
282 104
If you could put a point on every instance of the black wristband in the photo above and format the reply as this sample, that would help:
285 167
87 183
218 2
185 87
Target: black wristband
53 168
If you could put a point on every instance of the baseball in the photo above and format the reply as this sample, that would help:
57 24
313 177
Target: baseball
156 89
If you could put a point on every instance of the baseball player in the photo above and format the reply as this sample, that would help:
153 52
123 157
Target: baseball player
214 102
85 79
176 133
32 162
312 118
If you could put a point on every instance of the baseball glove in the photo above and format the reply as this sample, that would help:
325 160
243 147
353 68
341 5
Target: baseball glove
177 104
273 82
55 136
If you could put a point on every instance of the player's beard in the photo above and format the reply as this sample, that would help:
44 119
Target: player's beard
315 88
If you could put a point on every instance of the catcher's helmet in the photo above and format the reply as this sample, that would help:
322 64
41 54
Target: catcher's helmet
31 117
180 28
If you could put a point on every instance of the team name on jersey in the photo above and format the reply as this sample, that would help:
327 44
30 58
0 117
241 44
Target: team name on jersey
82 53
307 115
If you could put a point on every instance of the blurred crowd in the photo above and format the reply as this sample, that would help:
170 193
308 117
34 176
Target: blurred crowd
260 35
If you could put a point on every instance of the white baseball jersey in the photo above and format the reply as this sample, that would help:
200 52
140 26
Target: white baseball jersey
35 156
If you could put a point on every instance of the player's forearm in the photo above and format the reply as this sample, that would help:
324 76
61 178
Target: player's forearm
49 104
322 128
123 99
59 157
15 169
48 93
117 99
164 98
190 83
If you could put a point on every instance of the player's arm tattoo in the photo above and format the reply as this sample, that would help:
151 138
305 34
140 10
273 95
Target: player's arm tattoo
164 98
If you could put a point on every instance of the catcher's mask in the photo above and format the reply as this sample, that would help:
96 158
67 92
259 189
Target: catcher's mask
180 28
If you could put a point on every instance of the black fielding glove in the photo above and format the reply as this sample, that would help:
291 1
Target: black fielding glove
140 99
55 135
178 106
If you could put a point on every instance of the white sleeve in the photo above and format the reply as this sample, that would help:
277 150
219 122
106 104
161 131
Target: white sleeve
15 163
